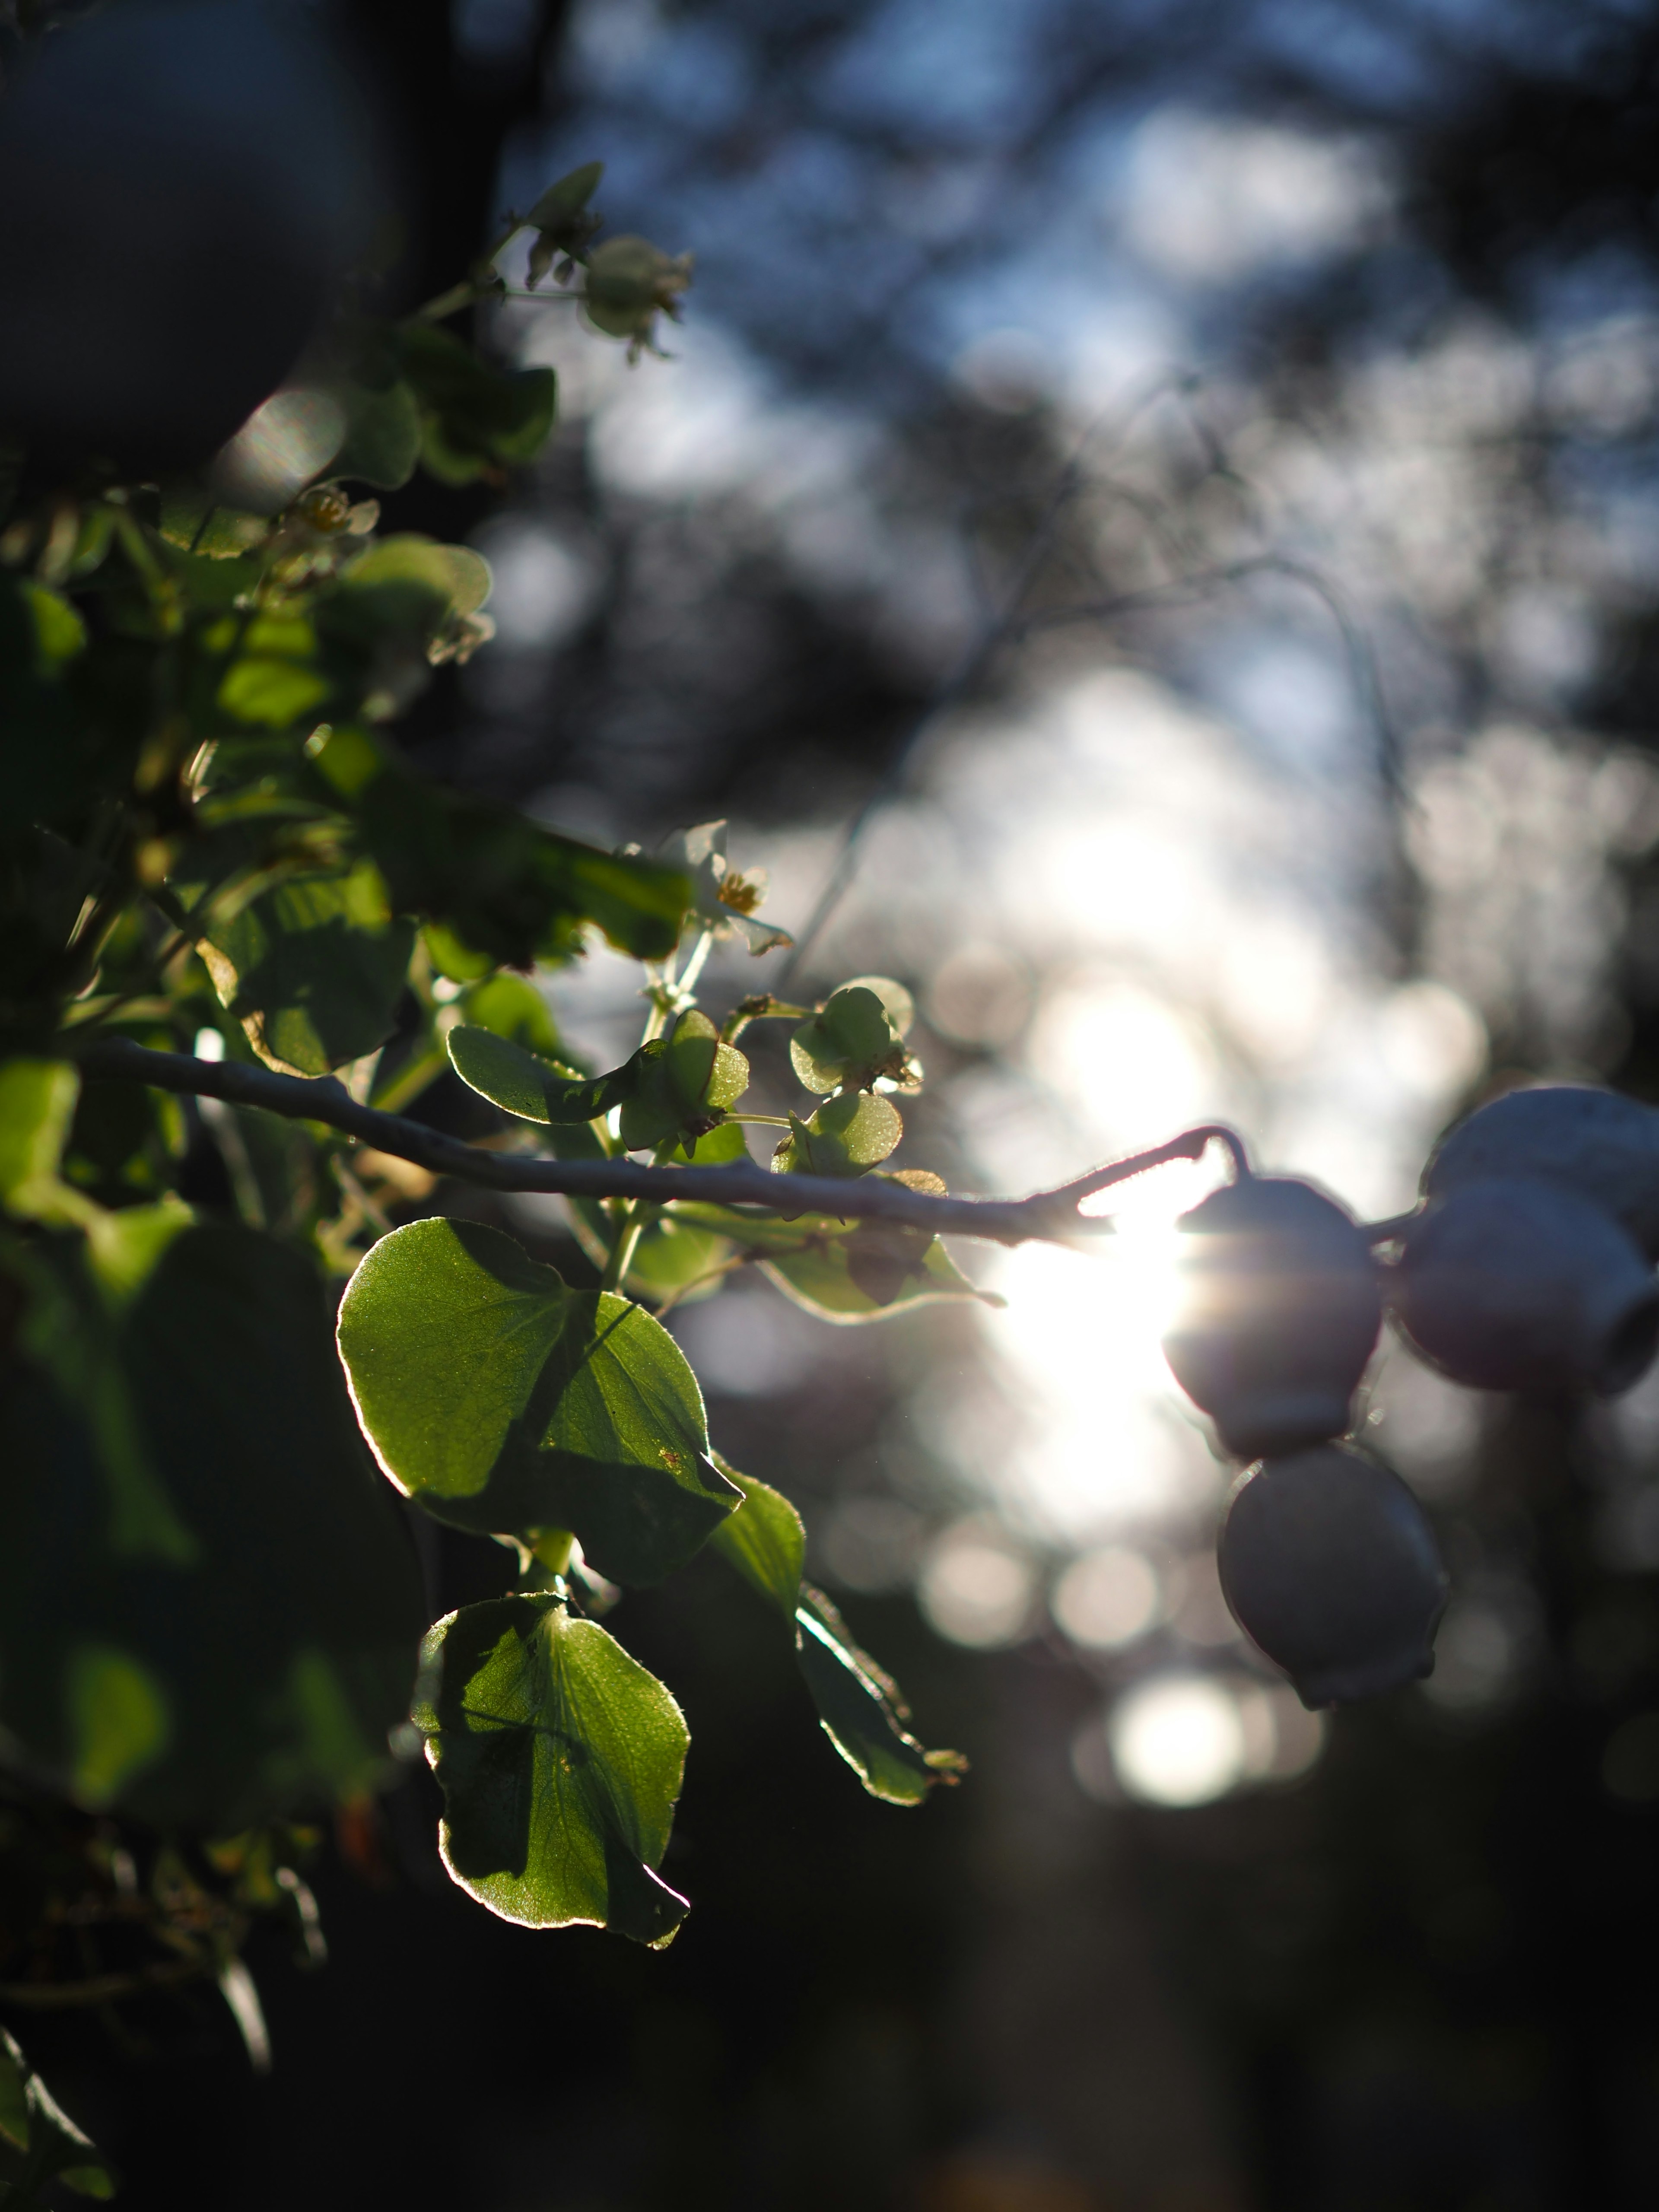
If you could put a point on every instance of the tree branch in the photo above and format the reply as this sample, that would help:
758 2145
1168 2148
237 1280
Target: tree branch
1045 1213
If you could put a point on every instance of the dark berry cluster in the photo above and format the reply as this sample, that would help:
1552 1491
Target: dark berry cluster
1528 1266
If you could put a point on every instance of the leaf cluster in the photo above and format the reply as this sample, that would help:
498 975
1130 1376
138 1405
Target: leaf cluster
210 1616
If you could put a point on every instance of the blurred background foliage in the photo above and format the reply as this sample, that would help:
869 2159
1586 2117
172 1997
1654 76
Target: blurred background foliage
1186 479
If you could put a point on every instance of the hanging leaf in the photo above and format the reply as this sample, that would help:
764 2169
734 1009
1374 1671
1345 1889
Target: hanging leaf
209 1613
765 1540
861 1711
534 1089
38 2142
859 1708
312 969
506 1402
561 1760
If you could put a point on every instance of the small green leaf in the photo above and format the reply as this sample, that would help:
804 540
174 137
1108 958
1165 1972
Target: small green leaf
685 1081
764 1540
560 1760
534 1089
879 1267
853 1040
861 1712
849 1134
505 1401
37 2139
312 969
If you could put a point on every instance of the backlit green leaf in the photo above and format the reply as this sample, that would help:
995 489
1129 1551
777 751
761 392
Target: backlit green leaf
561 1760
878 1267
849 1134
861 1712
764 1540
313 969
859 1708
685 1081
852 1041
506 1402
534 1089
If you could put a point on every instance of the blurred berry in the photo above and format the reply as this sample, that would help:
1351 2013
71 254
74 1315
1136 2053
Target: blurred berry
1330 1566
1511 1285
1280 1313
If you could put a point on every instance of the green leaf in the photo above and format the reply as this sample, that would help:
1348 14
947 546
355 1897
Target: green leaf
877 1268
506 1402
857 1036
37 2139
415 574
849 1134
534 1089
37 1104
764 1540
476 420
313 969
209 1611
511 892
685 1081
514 1009
860 1710
383 436
560 1760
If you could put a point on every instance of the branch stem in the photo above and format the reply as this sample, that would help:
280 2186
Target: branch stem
1050 1214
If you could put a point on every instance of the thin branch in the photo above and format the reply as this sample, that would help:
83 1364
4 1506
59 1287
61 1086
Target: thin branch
1045 1213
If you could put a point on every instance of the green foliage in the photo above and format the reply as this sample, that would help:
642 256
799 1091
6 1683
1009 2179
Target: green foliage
859 1708
560 1760
210 1615
507 1403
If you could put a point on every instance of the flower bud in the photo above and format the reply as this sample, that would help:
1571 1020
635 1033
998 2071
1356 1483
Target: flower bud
1330 1566
1280 1314
1509 1285
1602 1145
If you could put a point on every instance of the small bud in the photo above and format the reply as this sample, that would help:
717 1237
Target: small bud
1330 1566
1282 1313
1509 1285
1602 1145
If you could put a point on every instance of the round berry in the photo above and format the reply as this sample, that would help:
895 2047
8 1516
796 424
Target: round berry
1509 1285
1280 1315
1598 1144
1331 1568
